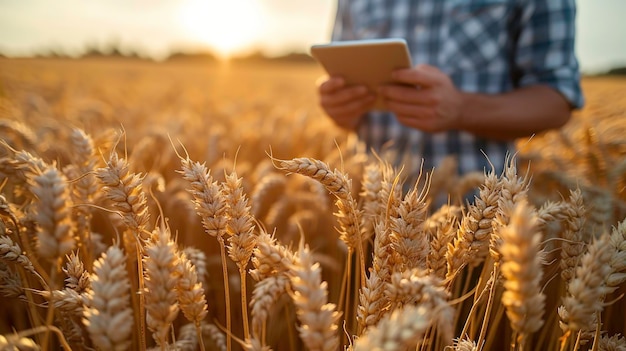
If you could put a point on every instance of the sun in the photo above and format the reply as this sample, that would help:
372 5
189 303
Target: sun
226 26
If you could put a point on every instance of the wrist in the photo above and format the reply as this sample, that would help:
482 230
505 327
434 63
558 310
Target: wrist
465 120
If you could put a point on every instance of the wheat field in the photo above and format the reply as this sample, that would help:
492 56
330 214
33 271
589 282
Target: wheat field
196 206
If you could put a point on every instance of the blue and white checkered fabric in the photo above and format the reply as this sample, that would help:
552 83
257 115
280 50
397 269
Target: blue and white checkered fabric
486 46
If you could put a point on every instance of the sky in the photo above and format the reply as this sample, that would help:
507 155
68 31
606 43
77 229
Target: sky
231 27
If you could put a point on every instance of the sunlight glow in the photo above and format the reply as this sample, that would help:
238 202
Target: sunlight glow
226 26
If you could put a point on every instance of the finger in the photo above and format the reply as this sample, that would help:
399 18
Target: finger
411 110
352 109
343 96
402 93
421 75
332 84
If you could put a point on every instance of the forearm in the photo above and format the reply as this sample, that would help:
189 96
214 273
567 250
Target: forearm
516 114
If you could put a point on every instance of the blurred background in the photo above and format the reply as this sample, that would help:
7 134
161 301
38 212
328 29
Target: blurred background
144 90
162 29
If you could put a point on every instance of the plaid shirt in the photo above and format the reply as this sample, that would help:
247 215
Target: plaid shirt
485 46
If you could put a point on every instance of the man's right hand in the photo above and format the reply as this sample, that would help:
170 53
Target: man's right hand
345 105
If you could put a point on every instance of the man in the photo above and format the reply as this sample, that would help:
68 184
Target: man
488 72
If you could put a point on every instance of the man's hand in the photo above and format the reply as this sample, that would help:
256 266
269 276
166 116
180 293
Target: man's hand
427 100
432 103
345 105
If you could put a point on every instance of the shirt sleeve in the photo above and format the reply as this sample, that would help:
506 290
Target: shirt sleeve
545 52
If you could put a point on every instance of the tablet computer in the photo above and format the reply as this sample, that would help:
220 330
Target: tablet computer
369 62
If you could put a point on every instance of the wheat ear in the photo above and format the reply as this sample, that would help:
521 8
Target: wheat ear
265 192
613 343
408 238
403 328
573 247
191 294
11 283
160 281
370 190
55 228
335 181
207 197
471 244
199 261
513 189
78 278
618 262
270 257
16 342
215 335
465 345
348 215
108 315
266 292
417 287
372 300
211 206
242 240
11 252
338 184
522 270
186 339
124 189
18 134
318 319
586 291
84 189
441 228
